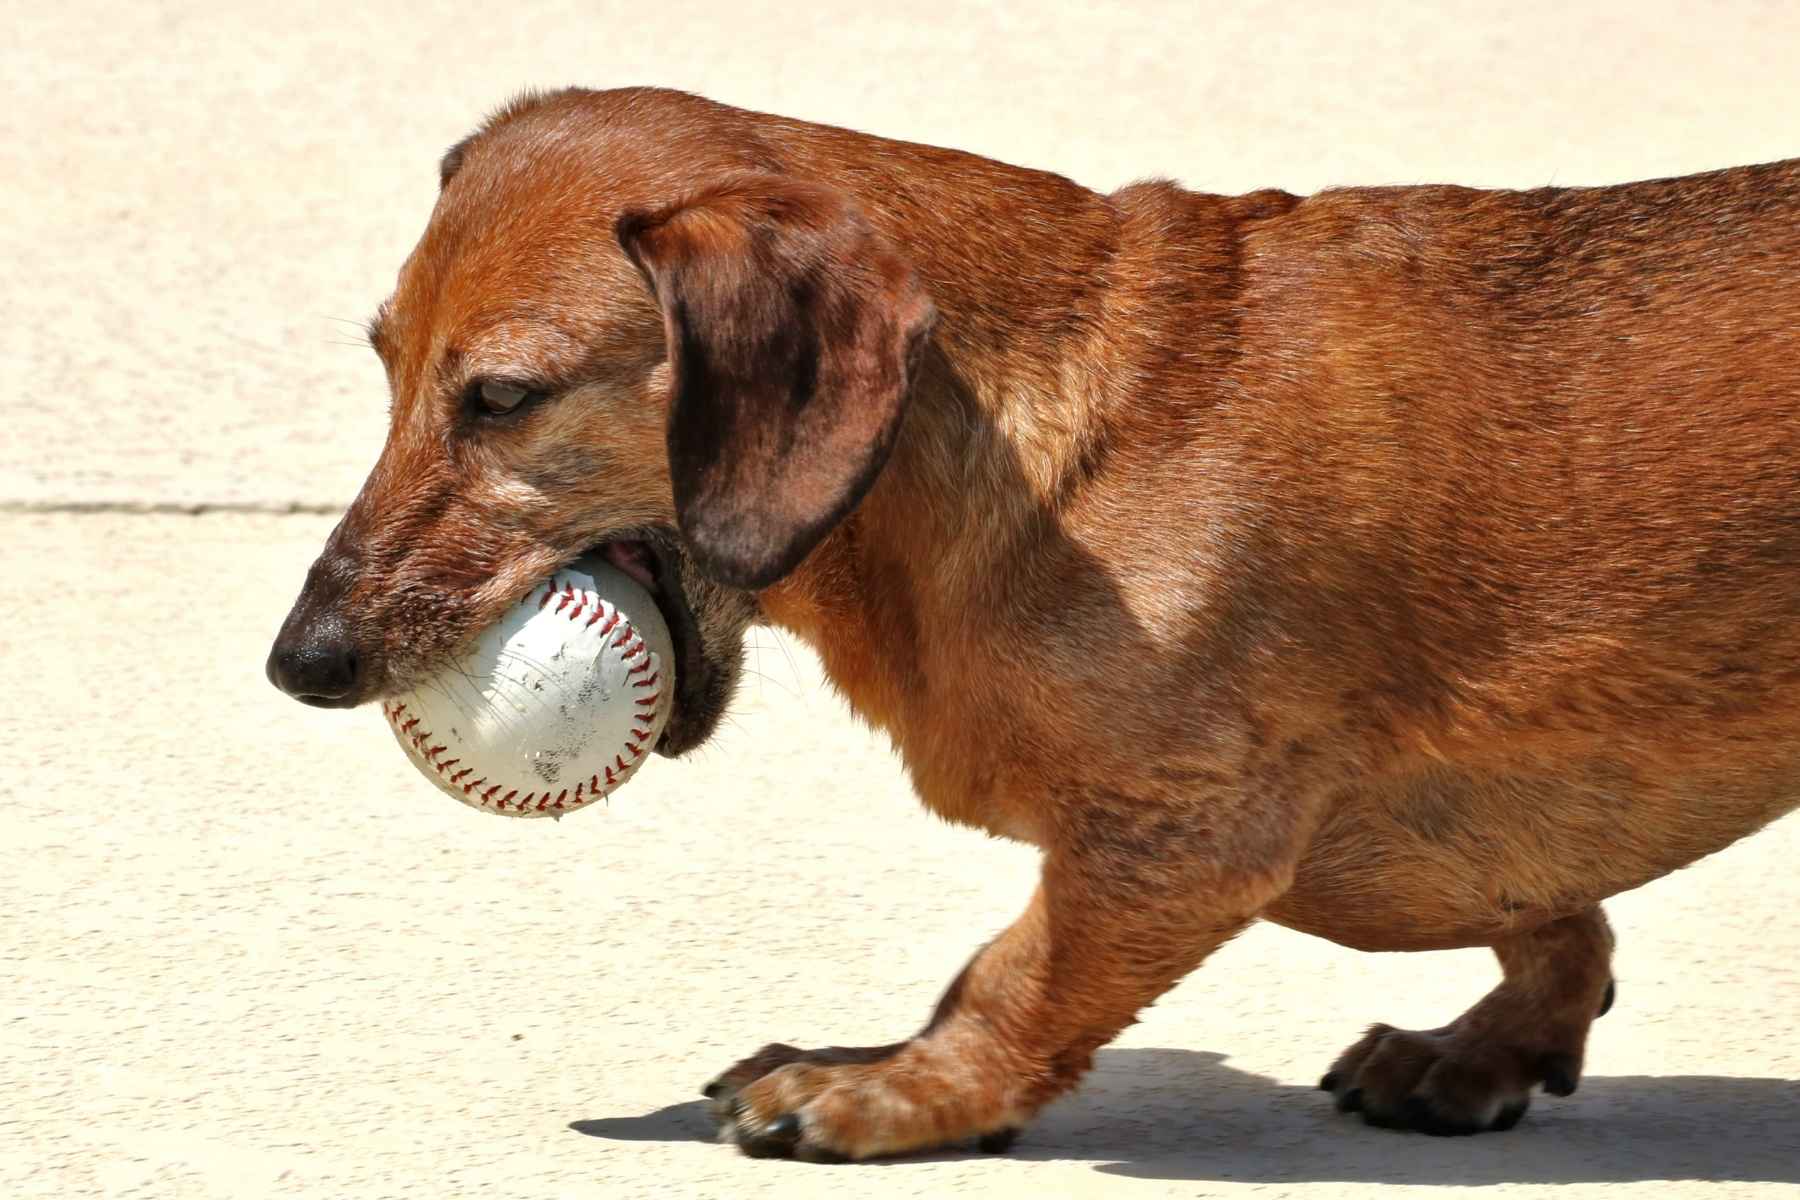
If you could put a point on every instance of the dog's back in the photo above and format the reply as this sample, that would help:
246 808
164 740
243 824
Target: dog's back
1537 456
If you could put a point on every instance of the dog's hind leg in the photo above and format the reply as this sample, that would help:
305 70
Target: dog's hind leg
1476 1074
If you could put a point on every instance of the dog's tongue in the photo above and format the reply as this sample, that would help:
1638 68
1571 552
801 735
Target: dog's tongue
633 558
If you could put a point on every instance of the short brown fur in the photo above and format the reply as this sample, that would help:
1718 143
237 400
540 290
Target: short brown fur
1414 567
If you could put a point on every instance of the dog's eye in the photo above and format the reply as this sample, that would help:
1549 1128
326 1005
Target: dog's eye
497 397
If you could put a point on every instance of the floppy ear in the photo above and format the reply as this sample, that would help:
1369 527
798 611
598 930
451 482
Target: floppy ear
794 331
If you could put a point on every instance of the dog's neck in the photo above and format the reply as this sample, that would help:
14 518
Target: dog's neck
1053 306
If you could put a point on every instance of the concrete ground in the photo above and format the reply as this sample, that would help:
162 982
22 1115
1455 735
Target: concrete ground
245 952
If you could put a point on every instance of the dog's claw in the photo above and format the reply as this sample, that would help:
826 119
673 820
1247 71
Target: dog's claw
1330 1082
997 1142
1606 1002
777 1139
1509 1116
1379 1118
1418 1114
1560 1074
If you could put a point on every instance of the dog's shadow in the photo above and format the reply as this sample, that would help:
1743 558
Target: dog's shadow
1183 1114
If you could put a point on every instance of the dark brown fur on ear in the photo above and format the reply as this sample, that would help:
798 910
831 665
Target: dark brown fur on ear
520 104
793 332
451 163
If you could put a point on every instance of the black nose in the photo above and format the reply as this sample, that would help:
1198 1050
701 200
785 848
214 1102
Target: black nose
316 666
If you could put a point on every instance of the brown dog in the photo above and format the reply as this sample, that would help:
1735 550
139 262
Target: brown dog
1414 567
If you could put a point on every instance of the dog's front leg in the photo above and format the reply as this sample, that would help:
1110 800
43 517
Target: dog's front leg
1111 927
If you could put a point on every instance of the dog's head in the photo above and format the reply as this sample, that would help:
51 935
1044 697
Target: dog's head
626 329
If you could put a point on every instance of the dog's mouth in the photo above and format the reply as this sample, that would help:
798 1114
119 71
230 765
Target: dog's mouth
651 558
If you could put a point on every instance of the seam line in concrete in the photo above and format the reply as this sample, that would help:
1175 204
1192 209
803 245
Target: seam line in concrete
163 508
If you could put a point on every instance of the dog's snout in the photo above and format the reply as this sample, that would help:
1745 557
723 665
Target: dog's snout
316 665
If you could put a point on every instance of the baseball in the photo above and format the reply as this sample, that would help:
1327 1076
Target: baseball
554 706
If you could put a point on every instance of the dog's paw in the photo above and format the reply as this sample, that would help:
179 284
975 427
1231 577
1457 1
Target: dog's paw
842 1104
1444 1082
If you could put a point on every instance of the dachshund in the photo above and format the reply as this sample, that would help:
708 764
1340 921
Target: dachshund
1415 567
